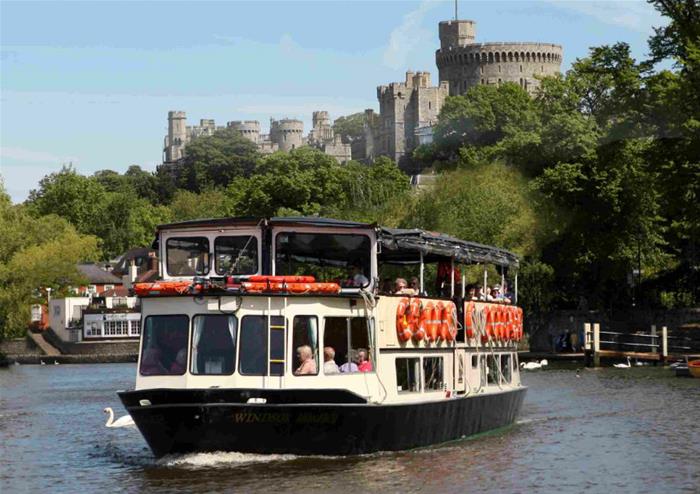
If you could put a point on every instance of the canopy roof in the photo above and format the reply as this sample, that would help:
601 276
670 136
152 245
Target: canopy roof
400 246
403 246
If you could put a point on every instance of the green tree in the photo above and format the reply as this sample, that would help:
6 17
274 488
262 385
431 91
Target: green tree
350 127
214 161
37 253
70 195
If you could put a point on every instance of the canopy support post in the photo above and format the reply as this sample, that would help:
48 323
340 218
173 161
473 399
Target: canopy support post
503 281
422 272
516 288
486 283
464 284
452 278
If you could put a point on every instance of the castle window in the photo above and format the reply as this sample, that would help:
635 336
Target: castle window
521 68
429 105
499 81
482 81
499 69
482 69
542 70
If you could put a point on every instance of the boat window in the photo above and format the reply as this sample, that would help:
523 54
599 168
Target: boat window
350 338
492 365
236 255
475 361
506 368
408 375
213 344
253 356
187 256
164 348
305 345
343 258
432 372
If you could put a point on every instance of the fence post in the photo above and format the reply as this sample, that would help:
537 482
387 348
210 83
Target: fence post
587 345
664 343
596 344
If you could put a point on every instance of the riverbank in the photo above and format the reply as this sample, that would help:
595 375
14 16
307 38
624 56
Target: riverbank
46 348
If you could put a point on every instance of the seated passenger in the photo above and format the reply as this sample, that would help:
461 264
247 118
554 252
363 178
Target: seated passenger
363 365
306 357
357 276
349 365
471 293
401 287
386 287
497 296
415 286
178 366
151 362
329 365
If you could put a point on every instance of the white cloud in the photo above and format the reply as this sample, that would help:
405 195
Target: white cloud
635 15
33 156
407 36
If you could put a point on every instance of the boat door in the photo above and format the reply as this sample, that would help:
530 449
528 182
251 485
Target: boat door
460 371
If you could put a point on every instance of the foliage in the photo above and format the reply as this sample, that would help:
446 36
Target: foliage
40 252
489 204
350 127
214 161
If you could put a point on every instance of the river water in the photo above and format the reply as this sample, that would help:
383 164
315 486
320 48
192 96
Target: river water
609 430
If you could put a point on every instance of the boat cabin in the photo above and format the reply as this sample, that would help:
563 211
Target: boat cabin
295 304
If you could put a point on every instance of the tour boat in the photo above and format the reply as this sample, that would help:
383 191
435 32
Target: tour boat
274 336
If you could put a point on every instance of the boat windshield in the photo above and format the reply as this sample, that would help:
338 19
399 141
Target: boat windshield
343 258
187 256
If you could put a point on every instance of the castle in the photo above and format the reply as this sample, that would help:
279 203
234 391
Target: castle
285 134
407 110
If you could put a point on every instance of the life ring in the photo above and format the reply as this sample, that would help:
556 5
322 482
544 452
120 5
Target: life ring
429 321
449 319
402 327
521 326
490 314
469 319
414 310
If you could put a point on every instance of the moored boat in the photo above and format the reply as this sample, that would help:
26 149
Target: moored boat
273 336
694 368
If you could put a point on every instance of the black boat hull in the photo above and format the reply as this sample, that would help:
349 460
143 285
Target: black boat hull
329 422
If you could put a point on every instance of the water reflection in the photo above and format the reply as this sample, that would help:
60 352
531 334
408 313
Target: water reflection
609 430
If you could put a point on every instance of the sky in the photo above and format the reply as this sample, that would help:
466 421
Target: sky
90 83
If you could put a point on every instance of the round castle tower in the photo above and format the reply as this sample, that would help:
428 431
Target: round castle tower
287 133
465 64
250 129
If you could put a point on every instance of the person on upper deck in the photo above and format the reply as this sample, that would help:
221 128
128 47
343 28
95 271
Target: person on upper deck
401 287
386 287
471 293
497 296
415 286
306 357
329 365
357 277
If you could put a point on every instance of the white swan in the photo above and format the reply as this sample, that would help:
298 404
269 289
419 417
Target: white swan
544 363
623 366
530 365
124 421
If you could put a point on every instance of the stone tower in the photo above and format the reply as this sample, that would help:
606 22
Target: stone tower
287 133
405 107
250 129
464 63
177 136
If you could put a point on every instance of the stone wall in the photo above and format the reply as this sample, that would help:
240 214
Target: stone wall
19 346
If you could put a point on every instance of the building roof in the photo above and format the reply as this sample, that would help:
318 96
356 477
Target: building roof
121 267
98 276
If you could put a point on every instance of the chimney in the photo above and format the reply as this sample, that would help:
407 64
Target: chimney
133 272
